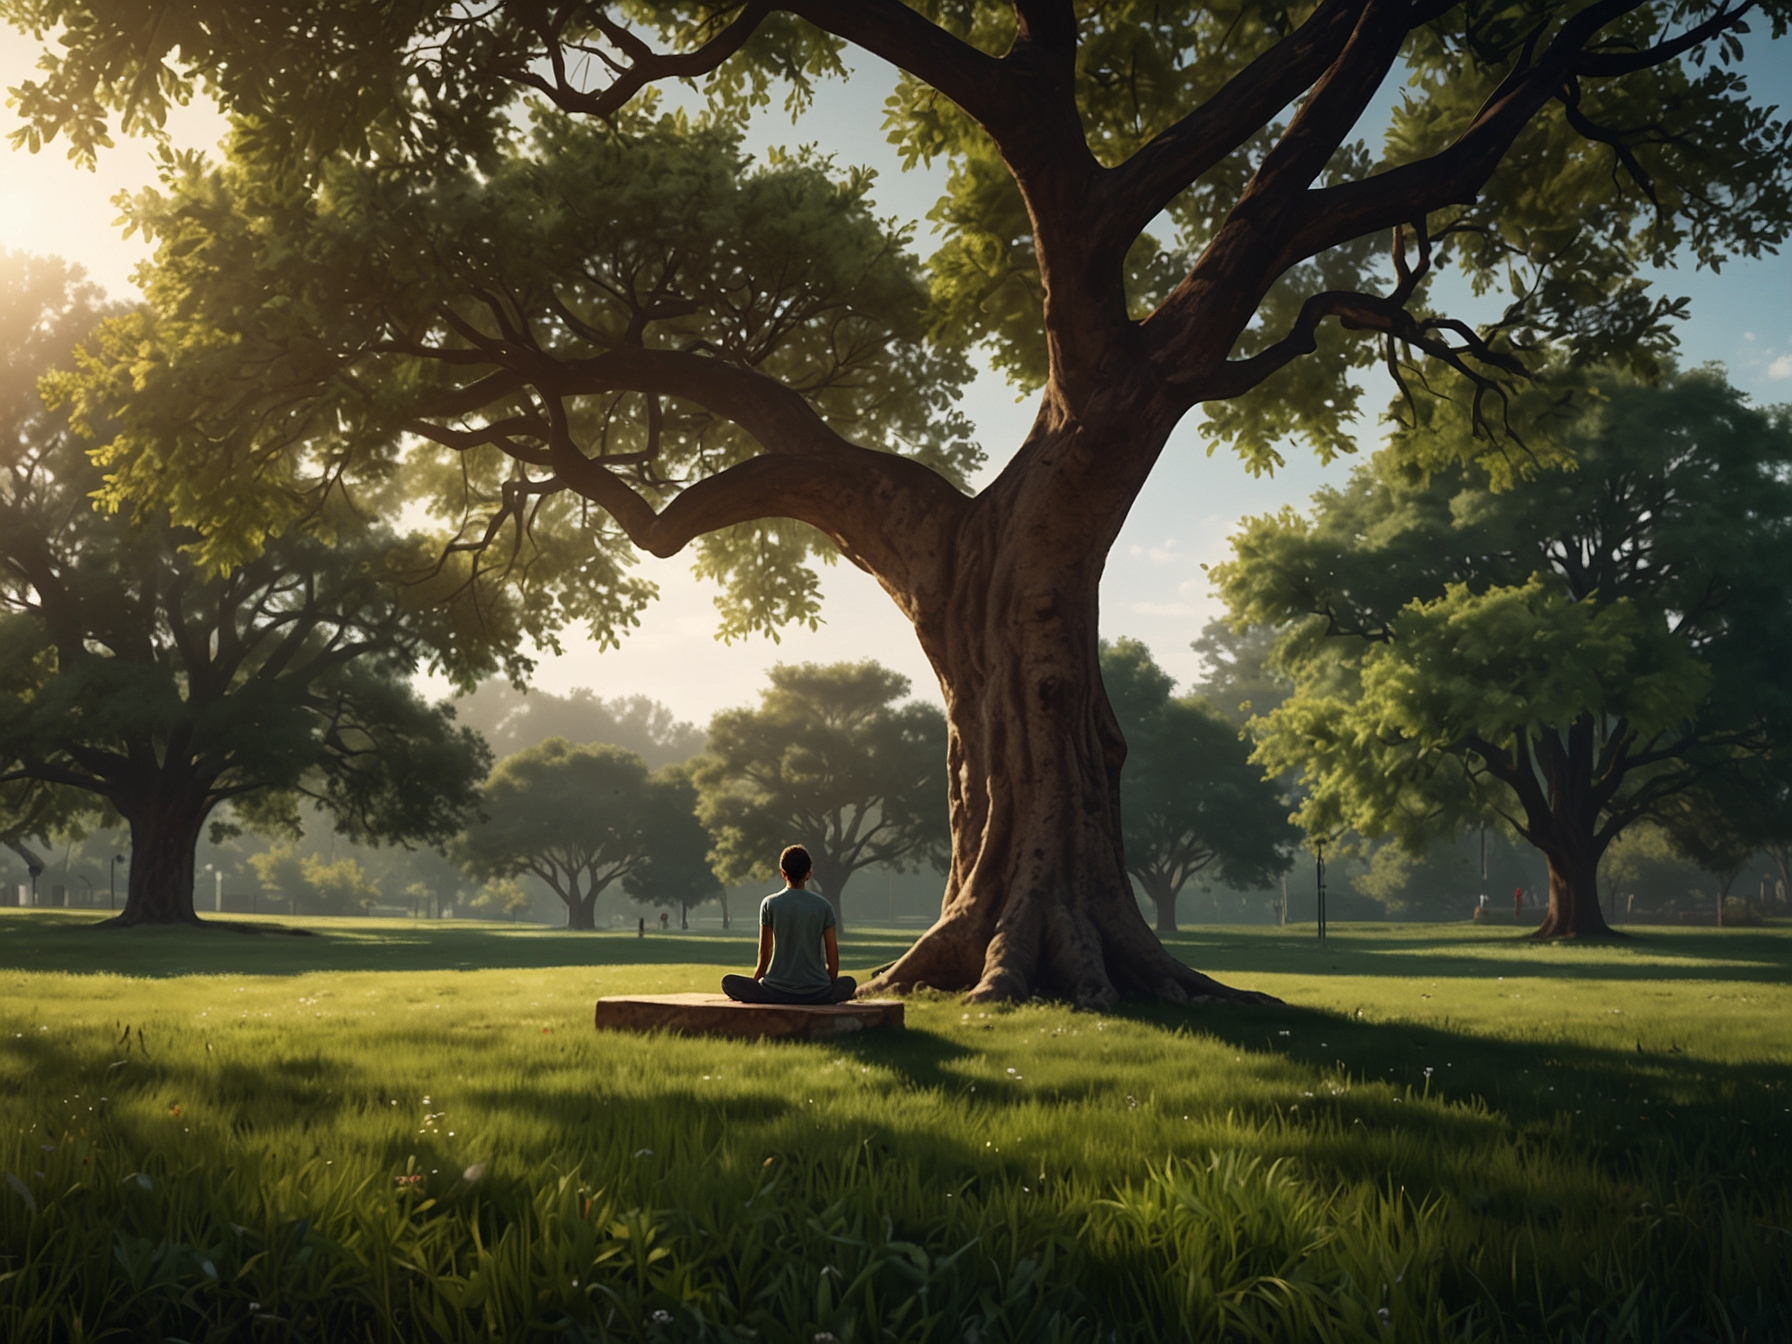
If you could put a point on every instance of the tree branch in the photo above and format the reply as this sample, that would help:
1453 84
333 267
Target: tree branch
980 84
645 67
859 497
1135 191
1455 175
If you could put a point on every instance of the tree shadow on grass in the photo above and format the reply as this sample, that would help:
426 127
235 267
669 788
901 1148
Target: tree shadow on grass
1615 1100
1760 955
922 1059
66 942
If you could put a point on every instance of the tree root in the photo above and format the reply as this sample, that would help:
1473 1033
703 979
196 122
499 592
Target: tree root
1057 953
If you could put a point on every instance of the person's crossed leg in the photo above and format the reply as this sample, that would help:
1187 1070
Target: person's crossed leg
799 955
745 989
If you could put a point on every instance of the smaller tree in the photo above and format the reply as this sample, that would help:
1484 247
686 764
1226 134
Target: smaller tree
831 761
314 885
504 895
1721 826
1628 860
1190 798
677 870
342 884
1238 678
579 818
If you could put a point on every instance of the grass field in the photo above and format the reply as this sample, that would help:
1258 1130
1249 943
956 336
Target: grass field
396 1131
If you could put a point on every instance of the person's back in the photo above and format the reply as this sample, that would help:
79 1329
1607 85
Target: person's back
798 919
799 957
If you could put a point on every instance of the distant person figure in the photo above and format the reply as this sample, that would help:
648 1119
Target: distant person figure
663 921
1518 905
799 955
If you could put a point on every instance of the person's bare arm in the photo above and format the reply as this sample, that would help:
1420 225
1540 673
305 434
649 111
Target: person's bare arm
765 951
831 946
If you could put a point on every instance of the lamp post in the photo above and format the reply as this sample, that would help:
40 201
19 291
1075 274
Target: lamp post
112 883
1319 879
1483 863
217 887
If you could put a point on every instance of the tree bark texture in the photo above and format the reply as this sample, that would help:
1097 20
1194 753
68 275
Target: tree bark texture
166 817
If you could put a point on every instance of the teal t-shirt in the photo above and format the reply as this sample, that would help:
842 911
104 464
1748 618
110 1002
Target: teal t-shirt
797 919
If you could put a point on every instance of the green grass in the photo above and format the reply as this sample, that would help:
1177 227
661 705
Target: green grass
394 1131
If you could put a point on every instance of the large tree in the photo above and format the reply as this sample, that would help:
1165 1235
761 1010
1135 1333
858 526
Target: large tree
1575 653
1151 208
832 761
1191 799
133 677
580 818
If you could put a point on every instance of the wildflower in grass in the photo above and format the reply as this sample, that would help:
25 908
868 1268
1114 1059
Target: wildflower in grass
660 1317
1386 1317
473 1173
826 1337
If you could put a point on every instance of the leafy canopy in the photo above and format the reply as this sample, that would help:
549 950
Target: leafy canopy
300 344
1204 186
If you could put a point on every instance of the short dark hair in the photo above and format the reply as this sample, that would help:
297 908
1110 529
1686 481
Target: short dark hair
795 863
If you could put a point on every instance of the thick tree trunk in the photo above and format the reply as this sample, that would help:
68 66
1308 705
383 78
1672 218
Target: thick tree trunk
1038 900
1163 899
581 911
166 818
1574 910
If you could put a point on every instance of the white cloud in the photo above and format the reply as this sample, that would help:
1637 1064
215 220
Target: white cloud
1748 335
1781 367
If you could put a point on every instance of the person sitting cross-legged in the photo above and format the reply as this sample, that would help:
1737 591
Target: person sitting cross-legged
799 958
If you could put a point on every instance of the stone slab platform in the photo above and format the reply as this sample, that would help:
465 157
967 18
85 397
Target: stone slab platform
718 1015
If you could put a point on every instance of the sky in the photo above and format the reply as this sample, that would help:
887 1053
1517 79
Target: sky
1154 588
